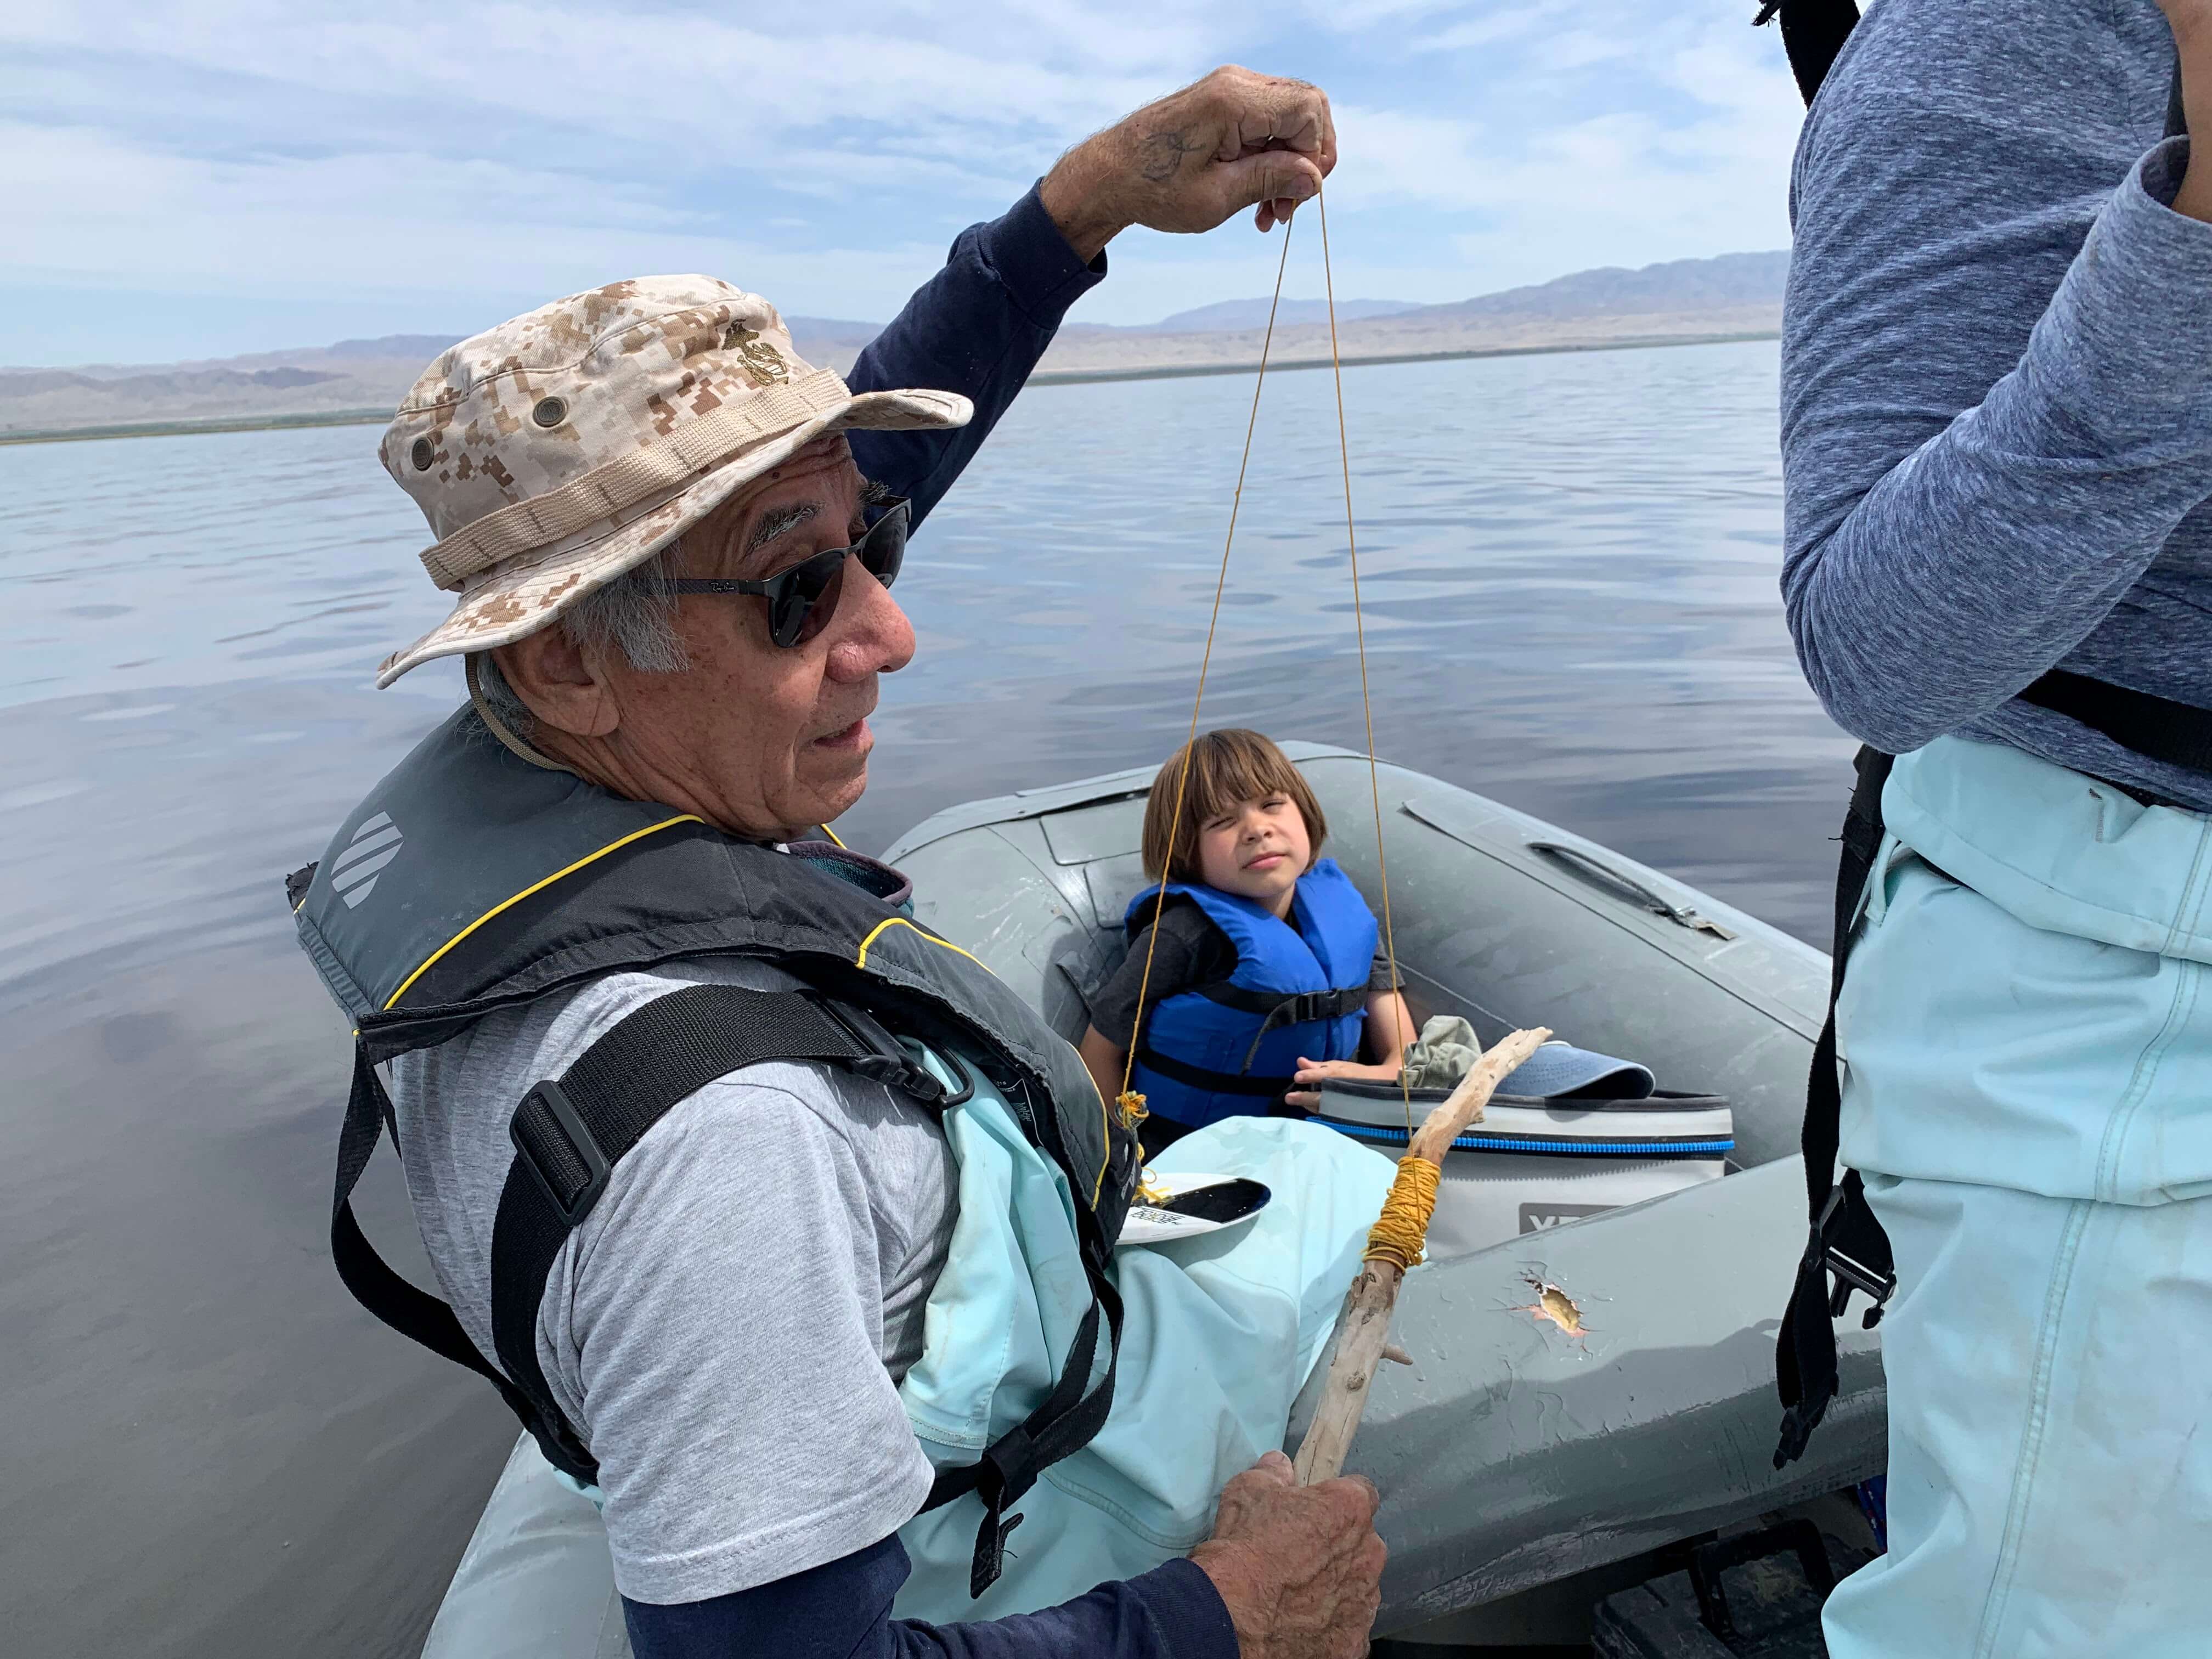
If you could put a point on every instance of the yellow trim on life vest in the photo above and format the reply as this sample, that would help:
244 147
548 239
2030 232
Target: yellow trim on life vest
1105 1133
860 960
875 932
539 887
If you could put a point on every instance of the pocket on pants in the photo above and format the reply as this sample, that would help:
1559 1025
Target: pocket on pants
1980 1049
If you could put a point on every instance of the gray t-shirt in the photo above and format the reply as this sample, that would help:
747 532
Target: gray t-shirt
1997 380
729 1325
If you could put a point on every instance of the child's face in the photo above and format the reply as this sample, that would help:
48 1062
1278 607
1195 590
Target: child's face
1257 849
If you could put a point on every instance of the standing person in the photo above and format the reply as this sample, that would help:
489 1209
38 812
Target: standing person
676 1100
1997 420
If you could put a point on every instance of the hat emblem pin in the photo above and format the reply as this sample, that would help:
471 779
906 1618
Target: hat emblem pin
764 364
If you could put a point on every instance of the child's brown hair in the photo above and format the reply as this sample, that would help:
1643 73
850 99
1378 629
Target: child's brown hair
1226 767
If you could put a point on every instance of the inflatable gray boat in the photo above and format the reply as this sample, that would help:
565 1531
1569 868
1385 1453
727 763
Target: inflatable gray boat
1592 1387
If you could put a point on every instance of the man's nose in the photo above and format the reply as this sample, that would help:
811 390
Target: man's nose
869 634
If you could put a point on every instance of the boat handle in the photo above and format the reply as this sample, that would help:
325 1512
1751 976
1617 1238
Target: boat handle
1681 914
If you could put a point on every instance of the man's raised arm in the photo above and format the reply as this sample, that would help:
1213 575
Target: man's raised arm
1231 140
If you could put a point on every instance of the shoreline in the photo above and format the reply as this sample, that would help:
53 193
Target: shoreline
1042 377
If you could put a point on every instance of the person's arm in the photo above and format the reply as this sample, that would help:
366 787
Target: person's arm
1290 1572
1185 163
1389 1029
725 1286
1148 974
842 1610
1971 491
976 328
1106 1061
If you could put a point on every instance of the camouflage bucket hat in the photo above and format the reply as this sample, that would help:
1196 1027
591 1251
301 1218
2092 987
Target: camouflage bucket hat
557 451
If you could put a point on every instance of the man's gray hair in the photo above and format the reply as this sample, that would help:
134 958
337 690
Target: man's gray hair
635 617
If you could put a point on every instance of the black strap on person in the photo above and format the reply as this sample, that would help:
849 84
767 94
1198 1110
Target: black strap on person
569 1134
1847 1249
1276 1010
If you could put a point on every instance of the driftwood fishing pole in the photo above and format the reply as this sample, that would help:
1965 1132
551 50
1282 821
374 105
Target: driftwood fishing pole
1363 1327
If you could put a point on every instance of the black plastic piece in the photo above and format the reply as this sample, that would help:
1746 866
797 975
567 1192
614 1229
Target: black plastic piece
545 1108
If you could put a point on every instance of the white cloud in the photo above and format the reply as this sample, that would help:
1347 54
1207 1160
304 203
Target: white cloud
825 153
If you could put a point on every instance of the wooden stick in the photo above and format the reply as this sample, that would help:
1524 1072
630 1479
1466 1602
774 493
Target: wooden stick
1363 1328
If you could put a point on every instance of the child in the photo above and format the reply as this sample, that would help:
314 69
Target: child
1265 973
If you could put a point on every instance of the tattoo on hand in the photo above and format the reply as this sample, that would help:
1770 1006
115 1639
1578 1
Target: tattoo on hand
1163 154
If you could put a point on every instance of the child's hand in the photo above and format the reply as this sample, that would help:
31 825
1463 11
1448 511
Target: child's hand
1305 1092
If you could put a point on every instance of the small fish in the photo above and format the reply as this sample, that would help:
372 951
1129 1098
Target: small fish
1555 1305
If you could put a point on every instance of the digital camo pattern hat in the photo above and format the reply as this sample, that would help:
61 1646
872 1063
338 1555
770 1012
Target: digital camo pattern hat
559 451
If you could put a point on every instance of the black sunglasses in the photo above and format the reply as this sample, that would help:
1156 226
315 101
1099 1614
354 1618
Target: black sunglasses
802 600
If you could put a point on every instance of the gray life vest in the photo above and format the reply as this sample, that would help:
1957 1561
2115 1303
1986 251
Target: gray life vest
470 881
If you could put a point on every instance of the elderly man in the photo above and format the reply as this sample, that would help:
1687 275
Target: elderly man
696 1256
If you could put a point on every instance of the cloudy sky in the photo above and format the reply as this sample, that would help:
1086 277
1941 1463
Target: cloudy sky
204 177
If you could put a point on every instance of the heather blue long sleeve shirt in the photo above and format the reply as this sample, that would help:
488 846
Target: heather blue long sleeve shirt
1997 380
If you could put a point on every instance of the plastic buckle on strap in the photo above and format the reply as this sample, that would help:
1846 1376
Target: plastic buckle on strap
1849 1273
888 1061
526 1131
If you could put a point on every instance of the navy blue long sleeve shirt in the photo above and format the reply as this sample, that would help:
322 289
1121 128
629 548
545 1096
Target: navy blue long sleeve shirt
976 328
843 1611
1997 381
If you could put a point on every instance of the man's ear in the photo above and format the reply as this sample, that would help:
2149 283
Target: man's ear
558 684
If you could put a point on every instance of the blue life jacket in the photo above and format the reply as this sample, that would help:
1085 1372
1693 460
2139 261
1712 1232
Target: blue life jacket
1300 987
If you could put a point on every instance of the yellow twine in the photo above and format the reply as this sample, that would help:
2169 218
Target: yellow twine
1402 1229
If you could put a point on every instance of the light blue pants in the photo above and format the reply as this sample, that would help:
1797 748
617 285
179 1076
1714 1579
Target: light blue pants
2027 1040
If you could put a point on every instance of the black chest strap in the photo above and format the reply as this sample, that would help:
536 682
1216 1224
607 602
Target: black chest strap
569 1134
1276 1010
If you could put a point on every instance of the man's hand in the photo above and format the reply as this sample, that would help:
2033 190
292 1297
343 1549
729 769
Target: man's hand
1232 141
1299 1567
2192 21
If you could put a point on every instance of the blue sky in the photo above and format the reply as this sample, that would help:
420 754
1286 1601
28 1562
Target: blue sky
208 177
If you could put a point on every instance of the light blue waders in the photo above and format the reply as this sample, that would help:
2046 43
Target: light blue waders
2025 1029
1218 1334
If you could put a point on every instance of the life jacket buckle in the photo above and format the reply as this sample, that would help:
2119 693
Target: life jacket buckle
1846 1273
888 1062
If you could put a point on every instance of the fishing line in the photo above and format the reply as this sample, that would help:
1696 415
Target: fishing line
1366 703
1131 1103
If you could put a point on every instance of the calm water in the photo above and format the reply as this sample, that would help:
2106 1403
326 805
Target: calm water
1569 573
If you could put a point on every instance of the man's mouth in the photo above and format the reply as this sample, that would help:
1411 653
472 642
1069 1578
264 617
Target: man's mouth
847 738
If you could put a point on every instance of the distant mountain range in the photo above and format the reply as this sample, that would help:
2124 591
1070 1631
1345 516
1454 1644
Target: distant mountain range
1736 295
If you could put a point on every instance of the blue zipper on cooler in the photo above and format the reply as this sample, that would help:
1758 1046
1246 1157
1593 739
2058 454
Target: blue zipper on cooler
1570 1148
